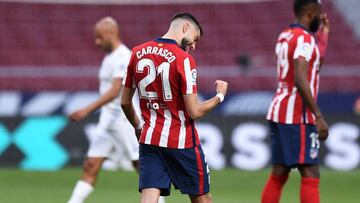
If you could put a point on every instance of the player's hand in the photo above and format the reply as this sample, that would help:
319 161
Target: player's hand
221 87
323 129
78 115
325 24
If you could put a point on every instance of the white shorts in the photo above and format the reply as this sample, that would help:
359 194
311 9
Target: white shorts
110 137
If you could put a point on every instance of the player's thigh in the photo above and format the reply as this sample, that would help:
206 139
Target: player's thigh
309 171
289 144
93 164
102 144
126 141
277 151
299 144
280 170
188 170
152 171
205 198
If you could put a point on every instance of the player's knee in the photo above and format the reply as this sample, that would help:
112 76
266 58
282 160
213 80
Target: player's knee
90 167
310 171
205 198
280 170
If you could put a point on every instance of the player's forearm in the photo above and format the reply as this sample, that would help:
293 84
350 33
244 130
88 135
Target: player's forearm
201 109
130 114
104 99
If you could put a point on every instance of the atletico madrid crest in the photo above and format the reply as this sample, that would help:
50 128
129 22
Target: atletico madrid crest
314 153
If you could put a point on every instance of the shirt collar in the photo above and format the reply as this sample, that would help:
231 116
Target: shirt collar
164 40
297 25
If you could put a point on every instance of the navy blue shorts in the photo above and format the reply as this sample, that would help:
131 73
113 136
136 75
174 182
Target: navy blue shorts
294 144
186 169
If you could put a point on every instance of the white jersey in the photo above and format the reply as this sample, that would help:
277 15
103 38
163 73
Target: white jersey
114 65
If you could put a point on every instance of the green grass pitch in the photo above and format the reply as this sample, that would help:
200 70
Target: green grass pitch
227 186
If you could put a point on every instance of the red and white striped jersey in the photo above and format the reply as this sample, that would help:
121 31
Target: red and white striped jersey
162 72
287 105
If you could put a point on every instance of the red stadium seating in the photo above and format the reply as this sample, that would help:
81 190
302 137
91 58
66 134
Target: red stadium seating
48 35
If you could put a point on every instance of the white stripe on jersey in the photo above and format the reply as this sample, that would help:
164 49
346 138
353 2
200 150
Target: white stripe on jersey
188 76
182 133
313 72
270 111
166 129
151 127
314 75
291 106
277 106
299 46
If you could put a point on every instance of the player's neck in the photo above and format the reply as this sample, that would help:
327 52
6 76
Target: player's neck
115 45
302 22
172 36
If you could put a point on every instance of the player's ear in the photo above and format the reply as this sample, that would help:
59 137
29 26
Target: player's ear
186 27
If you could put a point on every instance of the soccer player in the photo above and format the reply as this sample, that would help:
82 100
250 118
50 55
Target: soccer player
165 76
296 123
113 130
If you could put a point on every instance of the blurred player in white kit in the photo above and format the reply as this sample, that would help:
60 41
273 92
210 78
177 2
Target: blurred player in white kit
114 135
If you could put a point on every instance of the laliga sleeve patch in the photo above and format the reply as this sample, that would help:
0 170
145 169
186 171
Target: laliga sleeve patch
194 75
306 48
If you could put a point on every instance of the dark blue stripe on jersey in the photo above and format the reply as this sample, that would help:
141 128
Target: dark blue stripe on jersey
164 40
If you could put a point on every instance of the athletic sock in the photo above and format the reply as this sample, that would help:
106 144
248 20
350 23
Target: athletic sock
81 191
161 199
272 190
309 191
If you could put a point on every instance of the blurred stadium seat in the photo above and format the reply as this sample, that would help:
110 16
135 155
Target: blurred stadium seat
59 37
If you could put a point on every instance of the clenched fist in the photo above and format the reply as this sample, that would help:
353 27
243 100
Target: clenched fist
221 87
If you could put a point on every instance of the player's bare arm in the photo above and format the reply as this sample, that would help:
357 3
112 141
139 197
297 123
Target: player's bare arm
129 110
303 86
197 109
104 99
323 36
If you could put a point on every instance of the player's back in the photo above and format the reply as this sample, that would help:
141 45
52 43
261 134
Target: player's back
163 72
287 105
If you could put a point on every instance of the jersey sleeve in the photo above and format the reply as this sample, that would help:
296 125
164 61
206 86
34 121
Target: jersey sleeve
129 81
188 75
305 46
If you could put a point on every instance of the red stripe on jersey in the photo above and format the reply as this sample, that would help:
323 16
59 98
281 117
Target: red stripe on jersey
298 116
282 110
189 136
274 103
175 130
197 140
143 134
302 144
155 140
309 115
200 170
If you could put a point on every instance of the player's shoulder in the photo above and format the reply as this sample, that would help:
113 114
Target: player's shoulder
302 32
143 45
123 49
182 55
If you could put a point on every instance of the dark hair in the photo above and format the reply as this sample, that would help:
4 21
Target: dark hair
190 17
299 6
